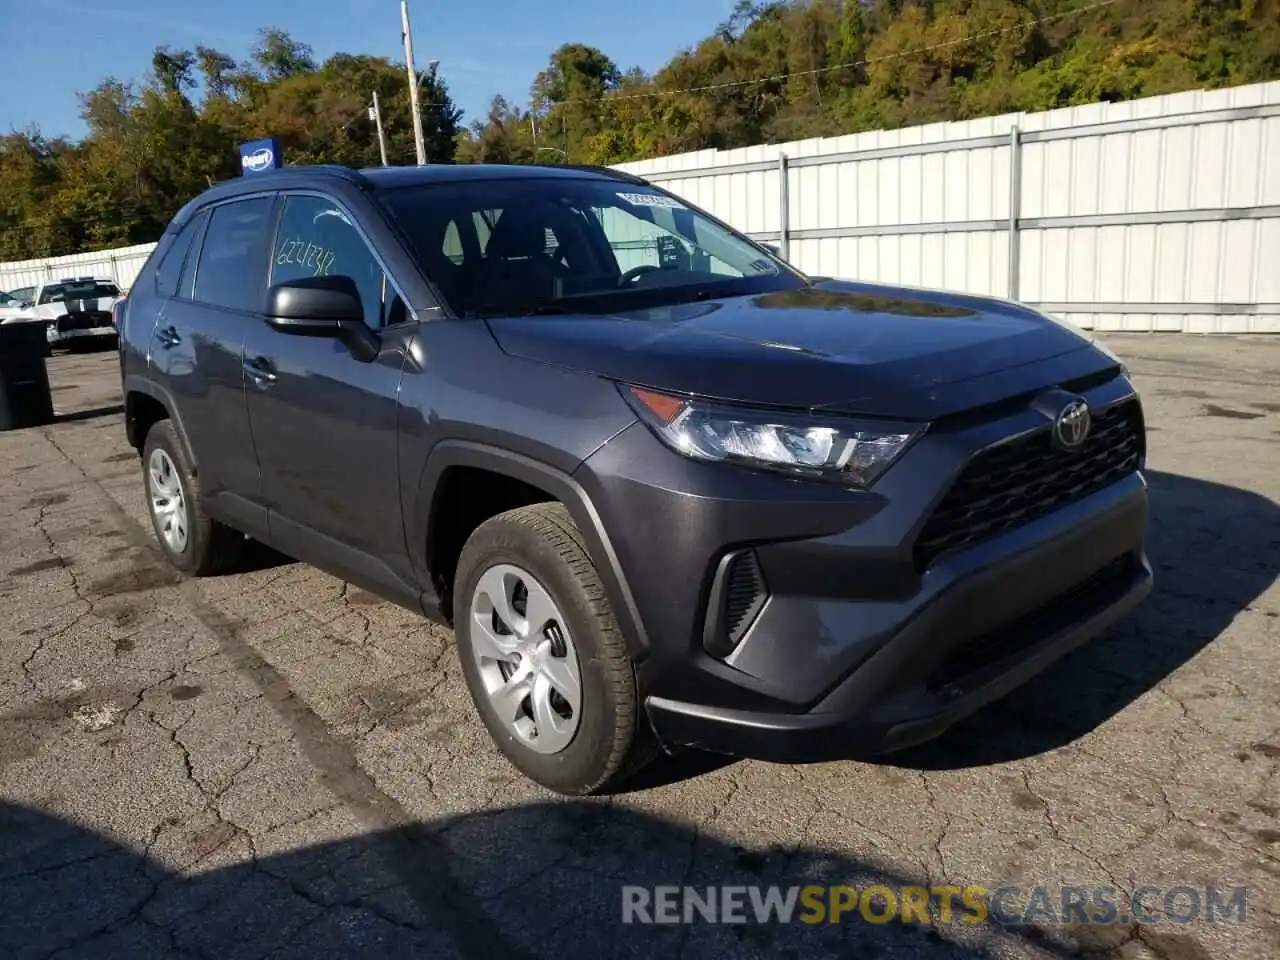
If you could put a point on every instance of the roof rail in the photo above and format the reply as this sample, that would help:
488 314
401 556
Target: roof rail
329 169
609 172
337 170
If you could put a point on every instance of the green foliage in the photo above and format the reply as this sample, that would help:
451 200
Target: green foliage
777 71
774 71
152 146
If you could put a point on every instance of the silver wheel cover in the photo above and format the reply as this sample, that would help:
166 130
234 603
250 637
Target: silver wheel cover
168 505
526 658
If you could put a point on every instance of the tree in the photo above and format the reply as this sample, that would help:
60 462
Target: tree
787 70
566 97
280 56
151 147
774 71
505 136
171 69
215 69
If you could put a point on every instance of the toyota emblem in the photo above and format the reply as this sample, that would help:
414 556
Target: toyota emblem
1071 426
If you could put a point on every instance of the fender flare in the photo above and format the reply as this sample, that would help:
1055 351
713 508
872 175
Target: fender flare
562 486
134 383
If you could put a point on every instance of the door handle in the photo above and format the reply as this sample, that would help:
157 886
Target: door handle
168 337
260 371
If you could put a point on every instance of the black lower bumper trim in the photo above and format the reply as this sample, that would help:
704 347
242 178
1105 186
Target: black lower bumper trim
822 735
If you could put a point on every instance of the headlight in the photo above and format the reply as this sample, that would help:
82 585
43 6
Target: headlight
851 452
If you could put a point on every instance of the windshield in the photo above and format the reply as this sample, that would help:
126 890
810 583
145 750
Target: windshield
7 301
575 245
78 290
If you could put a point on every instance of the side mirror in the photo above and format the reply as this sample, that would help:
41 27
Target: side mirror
774 249
322 307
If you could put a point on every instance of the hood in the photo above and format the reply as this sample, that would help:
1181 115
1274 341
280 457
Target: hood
846 347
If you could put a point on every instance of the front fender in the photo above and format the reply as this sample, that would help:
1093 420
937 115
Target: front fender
464 453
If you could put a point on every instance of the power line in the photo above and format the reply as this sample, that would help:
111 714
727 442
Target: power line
364 112
986 34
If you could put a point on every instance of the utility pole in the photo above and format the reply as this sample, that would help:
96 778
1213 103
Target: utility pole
376 113
407 33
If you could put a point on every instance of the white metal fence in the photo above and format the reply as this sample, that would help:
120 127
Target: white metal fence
121 264
1155 214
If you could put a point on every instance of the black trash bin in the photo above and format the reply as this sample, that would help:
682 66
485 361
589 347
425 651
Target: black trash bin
25 397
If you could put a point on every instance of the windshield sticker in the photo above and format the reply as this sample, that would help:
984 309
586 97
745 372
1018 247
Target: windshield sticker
652 200
304 254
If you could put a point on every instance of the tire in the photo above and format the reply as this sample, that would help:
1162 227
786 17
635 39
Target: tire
207 547
539 546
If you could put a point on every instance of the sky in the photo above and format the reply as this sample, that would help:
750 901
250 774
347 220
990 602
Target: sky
54 49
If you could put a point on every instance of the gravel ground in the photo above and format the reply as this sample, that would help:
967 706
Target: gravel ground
276 764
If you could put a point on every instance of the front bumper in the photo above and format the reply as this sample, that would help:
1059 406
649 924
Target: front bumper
57 337
942 665
856 649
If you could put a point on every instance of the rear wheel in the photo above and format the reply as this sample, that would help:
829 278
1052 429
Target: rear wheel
189 539
542 655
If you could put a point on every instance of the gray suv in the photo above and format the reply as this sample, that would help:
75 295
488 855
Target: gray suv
667 490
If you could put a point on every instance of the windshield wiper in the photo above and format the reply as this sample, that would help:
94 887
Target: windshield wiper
537 310
695 296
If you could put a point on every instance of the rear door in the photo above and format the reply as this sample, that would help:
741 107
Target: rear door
150 297
324 423
197 348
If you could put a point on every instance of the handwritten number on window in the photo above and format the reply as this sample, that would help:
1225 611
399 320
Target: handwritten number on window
303 253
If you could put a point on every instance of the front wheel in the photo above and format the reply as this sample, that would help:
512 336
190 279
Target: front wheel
542 654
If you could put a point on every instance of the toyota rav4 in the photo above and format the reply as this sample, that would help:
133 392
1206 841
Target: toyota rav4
667 490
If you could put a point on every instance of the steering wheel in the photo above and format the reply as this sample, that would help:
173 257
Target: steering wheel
635 273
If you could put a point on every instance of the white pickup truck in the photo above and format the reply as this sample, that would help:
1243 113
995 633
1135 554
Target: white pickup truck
74 310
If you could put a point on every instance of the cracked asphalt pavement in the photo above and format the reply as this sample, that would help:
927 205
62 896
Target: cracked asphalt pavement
276 764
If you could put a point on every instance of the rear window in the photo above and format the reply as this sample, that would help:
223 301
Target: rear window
170 268
234 251
78 290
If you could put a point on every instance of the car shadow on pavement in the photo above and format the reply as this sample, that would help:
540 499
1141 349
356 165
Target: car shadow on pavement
544 880
93 413
1215 549
258 556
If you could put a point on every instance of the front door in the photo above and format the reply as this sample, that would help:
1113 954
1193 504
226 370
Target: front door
323 422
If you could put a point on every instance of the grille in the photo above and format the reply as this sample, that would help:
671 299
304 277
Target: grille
1099 590
744 593
84 320
1013 483
742 596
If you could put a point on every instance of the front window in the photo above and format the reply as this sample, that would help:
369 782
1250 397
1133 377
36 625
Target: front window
575 245
315 239
7 301
78 290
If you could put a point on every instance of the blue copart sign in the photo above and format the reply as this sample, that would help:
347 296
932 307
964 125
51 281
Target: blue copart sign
260 156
